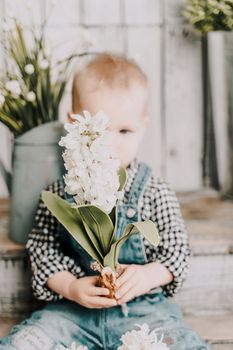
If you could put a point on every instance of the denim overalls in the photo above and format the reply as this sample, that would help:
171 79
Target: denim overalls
62 322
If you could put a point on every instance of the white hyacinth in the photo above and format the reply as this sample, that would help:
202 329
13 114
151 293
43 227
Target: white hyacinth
142 339
31 96
29 69
92 169
13 87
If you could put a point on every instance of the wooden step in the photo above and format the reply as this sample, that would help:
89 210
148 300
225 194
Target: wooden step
209 221
216 330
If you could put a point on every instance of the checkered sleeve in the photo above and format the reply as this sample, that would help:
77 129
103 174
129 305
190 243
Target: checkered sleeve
44 250
160 204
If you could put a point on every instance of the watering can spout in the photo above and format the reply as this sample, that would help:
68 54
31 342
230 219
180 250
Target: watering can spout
6 176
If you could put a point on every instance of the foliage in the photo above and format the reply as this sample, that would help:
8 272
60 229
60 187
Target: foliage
95 230
210 15
30 93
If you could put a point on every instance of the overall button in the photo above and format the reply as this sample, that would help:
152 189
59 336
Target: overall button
131 212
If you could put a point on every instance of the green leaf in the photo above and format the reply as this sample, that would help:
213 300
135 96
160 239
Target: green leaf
12 124
91 234
122 178
146 228
114 218
71 220
100 223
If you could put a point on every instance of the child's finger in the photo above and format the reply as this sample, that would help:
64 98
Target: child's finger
123 266
124 289
100 302
99 291
124 277
127 297
93 280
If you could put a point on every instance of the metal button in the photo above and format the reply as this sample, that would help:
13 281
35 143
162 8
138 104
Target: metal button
131 212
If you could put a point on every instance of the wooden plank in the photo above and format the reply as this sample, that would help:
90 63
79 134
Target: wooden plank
110 39
63 41
174 11
217 329
138 12
65 13
222 346
24 12
209 279
15 291
183 108
144 46
10 249
106 12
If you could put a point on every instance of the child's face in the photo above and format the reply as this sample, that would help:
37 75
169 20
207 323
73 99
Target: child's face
126 111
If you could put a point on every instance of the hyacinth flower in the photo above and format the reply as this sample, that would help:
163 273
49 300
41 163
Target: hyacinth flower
96 181
142 339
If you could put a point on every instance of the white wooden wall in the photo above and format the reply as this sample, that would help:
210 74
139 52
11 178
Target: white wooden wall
154 34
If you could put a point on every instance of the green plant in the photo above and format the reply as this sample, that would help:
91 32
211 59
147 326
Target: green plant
210 15
30 94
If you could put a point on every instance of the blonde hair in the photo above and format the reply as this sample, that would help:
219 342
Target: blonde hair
108 70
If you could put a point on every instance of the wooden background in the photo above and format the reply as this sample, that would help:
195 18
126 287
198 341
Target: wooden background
154 33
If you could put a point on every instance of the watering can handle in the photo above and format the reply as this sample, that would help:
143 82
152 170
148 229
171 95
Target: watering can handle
6 175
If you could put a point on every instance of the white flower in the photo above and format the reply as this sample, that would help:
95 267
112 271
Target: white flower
142 339
73 346
13 87
2 100
92 169
29 69
43 64
31 96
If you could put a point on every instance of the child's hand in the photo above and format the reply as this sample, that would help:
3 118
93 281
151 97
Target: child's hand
133 281
85 292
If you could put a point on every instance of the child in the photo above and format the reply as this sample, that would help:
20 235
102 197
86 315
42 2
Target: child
77 310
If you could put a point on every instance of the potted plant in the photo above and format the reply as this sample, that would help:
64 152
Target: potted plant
213 19
31 90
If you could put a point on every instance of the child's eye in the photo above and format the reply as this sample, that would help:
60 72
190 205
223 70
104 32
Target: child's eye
125 131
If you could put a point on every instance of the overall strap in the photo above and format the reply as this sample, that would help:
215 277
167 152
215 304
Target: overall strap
139 183
67 196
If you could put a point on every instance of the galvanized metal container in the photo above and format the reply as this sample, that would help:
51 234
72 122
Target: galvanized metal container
36 162
220 66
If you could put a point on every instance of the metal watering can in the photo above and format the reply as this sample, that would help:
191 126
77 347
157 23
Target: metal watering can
36 162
